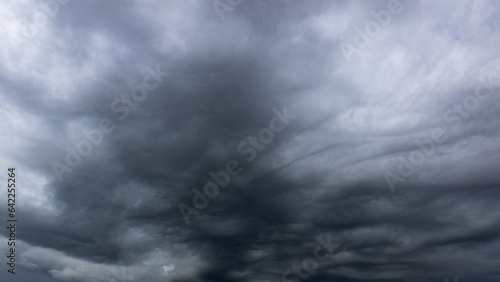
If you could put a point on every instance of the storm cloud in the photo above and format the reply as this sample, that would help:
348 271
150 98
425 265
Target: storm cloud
252 141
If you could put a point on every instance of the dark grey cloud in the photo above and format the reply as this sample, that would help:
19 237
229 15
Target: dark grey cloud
137 105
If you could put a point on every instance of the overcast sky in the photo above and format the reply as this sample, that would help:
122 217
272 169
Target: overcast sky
251 140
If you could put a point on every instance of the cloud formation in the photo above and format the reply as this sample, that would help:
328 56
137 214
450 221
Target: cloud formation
311 121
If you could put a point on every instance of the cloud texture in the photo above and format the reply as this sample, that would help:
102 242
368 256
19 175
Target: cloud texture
253 140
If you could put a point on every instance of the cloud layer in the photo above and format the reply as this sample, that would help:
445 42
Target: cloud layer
248 140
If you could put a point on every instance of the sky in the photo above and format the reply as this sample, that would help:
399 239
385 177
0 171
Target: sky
251 140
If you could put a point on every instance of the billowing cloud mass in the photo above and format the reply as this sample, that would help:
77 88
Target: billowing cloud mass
242 140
